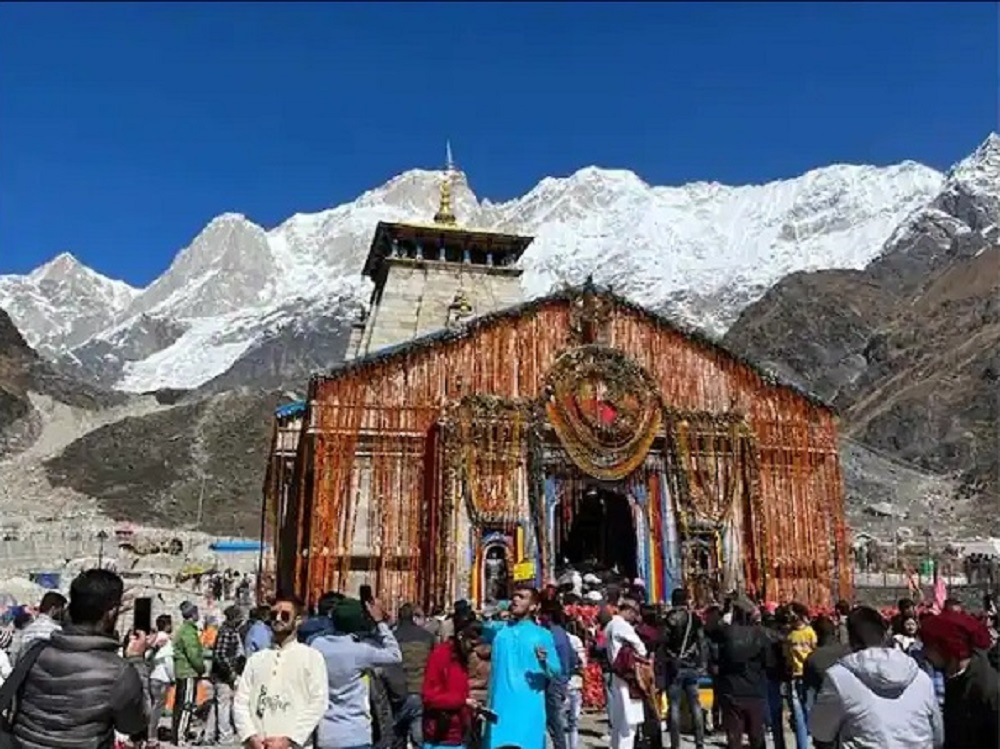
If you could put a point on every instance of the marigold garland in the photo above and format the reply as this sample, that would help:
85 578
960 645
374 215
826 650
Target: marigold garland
605 410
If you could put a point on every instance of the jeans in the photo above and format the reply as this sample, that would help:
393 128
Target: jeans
158 702
796 696
775 709
571 717
409 723
219 726
685 682
555 704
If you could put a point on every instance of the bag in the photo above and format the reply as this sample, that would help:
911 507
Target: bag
637 673
10 690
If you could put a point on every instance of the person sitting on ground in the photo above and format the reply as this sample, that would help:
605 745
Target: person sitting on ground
79 690
876 696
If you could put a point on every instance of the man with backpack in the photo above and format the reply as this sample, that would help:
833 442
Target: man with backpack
686 660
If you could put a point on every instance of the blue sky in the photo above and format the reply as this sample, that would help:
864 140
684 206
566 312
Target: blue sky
125 127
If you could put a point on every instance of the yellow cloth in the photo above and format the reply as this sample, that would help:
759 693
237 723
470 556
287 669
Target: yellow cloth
798 645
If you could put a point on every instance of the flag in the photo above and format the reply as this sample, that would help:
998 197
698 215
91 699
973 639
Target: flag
940 594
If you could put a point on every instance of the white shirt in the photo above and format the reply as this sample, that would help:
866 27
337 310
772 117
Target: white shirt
576 680
282 692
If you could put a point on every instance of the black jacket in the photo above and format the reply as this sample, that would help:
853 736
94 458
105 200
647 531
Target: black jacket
415 643
690 653
819 661
971 719
745 654
78 693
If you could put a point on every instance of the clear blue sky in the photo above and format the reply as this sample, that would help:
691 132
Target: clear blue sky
125 127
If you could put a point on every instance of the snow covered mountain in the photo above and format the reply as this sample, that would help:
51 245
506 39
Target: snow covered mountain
63 303
702 251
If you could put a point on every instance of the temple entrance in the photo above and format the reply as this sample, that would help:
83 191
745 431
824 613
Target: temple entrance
599 534
701 565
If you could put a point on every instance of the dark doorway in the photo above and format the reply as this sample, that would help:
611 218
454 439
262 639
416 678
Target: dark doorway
601 534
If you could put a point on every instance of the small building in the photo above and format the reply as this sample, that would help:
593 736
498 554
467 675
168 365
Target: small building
472 439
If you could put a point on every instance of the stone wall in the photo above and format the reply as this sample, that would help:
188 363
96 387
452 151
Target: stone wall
417 294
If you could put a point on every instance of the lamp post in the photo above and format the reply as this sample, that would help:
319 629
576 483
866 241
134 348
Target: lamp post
102 536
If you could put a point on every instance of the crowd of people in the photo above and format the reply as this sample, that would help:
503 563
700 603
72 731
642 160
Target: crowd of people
348 675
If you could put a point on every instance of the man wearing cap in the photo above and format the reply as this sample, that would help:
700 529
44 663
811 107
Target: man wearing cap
362 641
954 643
189 666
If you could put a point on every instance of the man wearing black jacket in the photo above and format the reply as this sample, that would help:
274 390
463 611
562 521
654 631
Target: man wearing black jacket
406 679
79 691
745 655
686 661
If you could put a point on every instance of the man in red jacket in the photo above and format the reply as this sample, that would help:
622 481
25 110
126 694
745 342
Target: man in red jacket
448 709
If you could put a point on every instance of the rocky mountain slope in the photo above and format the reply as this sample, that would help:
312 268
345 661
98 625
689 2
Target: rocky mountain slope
909 347
73 455
701 251
22 372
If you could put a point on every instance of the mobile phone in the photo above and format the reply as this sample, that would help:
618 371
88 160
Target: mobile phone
488 715
365 594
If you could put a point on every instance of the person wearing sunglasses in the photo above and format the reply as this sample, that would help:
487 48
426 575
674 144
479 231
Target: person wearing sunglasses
282 692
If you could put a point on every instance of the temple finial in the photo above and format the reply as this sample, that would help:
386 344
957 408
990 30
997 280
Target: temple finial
445 215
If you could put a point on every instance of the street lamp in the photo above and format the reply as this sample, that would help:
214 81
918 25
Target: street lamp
102 536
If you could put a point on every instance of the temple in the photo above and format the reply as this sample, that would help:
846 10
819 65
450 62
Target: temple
472 439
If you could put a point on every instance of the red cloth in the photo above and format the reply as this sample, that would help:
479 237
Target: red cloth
954 634
446 688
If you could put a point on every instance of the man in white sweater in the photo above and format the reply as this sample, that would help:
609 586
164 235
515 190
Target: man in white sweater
282 693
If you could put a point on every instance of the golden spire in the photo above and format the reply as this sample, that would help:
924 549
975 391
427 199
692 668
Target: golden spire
445 215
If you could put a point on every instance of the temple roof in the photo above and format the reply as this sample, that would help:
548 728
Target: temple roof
567 294
432 234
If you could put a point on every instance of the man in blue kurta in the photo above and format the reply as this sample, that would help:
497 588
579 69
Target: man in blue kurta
524 658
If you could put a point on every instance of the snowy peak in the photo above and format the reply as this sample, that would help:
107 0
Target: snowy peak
972 189
63 302
226 268
968 201
701 251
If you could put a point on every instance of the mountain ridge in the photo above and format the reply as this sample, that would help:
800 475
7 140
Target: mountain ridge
700 251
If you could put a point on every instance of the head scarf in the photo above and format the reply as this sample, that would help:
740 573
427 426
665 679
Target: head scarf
954 634
349 617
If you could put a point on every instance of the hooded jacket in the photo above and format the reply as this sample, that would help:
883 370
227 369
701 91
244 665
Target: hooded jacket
877 698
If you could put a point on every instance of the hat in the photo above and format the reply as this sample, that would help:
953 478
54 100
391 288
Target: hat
189 610
594 596
954 634
349 617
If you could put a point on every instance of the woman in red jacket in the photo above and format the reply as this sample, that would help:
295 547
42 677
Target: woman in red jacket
448 709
